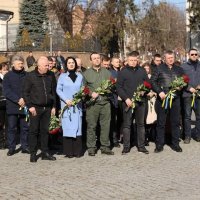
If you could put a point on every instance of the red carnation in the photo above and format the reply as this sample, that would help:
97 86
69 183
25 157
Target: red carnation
54 131
113 81
186 78
147 84
86 90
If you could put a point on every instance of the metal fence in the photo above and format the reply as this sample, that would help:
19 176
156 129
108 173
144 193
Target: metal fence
59 42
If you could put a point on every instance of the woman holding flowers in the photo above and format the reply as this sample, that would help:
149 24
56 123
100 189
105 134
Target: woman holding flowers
167 82
68 85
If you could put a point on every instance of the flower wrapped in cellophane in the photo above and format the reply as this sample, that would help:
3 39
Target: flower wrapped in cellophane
104 89
54 126
140 91
176 85
106 86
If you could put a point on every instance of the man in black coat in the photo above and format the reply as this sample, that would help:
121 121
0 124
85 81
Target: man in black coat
161 80
30 59
3 134
128 80
12 89
40 97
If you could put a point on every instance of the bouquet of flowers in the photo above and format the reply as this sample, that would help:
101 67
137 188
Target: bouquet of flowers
137 96
177 84
105 88
195 95
54 126
81 95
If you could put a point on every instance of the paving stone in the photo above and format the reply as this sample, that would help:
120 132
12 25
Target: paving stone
165 176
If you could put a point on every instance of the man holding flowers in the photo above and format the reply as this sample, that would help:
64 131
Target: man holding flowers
131 88
167 83
191 95
97 79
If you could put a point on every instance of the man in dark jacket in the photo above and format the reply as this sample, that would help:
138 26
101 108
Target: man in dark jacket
12 89
30 59
157 60
161 80
192 69
128 80
60 62
3 131
40 97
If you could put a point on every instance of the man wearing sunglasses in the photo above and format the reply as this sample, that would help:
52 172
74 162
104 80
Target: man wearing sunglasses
191 98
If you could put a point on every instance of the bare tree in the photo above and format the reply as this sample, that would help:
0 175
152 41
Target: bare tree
63 10
163 27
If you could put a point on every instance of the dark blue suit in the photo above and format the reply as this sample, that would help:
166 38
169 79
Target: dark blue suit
12 89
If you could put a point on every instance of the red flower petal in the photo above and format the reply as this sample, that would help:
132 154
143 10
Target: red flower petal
147 84
186 78
54 131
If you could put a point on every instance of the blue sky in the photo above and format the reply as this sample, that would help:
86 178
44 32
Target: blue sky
178 3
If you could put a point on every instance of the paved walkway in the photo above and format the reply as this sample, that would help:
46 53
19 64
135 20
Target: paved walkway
168 175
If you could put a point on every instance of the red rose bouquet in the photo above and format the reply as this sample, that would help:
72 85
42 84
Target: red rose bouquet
137 96
176 85
79 96
106 86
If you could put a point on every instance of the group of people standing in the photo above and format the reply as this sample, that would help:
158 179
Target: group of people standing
110 117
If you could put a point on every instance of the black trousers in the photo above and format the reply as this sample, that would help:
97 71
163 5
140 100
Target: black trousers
174 122
139 113
72 146
3 127
187 116
13 121
39 124
114 131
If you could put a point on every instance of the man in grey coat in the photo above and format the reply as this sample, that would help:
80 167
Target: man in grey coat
192 70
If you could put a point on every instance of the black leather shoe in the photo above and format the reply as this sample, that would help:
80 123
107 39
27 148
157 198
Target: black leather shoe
125 150
143 150
26 151
69 156
177 148
107 152
33 158
198 139
158 149
47 156
187 140
117 145
3 146
11 152
91 152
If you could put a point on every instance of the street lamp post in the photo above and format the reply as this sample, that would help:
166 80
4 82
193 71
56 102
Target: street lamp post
6 15
49 26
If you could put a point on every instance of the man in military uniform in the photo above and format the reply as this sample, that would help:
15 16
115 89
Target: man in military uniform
99 109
